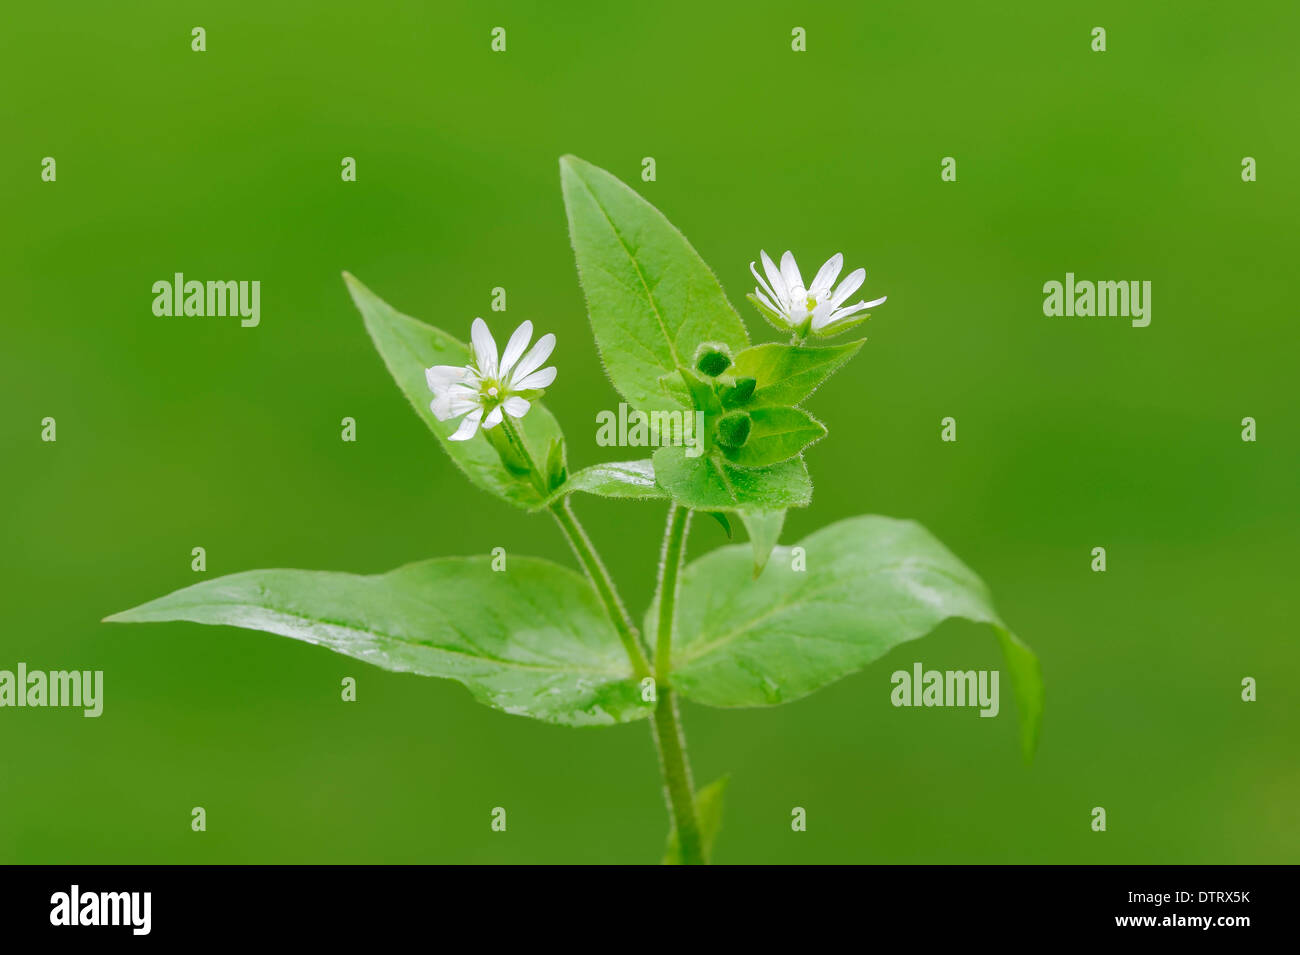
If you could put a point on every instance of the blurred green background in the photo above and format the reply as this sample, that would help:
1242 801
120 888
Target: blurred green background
1073 433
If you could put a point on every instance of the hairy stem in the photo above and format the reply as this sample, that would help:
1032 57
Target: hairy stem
670 741
591 563
604 586
670 566
669 737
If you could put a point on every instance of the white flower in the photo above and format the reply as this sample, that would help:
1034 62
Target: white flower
485 390
788 302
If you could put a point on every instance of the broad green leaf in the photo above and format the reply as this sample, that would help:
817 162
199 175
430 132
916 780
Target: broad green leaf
787 374
651 299
870 583
710 483
764 529
708 814
777 434
408 347
634 479
532 640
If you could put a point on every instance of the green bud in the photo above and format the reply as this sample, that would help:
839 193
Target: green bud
712 359
733 429
739 393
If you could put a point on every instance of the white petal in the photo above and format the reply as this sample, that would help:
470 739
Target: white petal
485 348
826 276
763 286
453 402
790 273
768 302
533 360
515 347
834 318
493 419
441 377
515 406
538 379
851 284
774 277
469 427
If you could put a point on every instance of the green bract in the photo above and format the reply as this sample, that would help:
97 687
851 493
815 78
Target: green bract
741 626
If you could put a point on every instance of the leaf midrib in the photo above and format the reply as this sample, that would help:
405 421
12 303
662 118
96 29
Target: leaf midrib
654 305
514 664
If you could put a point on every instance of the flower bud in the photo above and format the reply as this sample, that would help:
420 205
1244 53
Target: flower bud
739 393
712 359
733 429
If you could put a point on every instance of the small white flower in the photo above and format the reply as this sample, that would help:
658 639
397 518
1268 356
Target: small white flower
786 301
485 390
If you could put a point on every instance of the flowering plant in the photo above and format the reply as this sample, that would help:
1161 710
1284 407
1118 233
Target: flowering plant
741 626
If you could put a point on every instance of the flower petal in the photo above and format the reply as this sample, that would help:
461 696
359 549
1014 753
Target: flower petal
774 277
493 418
538 379
515 406
453 402
828 319
533 360
485 348
827 275
763 285
515 347
790 273
767 301
441 377
852 282
469 427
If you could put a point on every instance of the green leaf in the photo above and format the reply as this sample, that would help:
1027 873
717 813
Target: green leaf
651 299
634 479
870 584
408 347
531 640
764 529
787 374
557 470
723 521
708 814
776 434
710 483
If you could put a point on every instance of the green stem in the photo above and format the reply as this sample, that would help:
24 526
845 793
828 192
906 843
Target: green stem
670 566
604 586
591 563
670 741
676 768
669 737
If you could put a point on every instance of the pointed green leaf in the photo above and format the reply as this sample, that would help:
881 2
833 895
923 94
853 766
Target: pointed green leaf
870 583
710 483
531 640
708 814
776 434
764 529
787 374
634 479
651 299
408 347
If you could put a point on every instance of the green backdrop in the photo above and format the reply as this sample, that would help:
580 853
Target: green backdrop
1072 433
